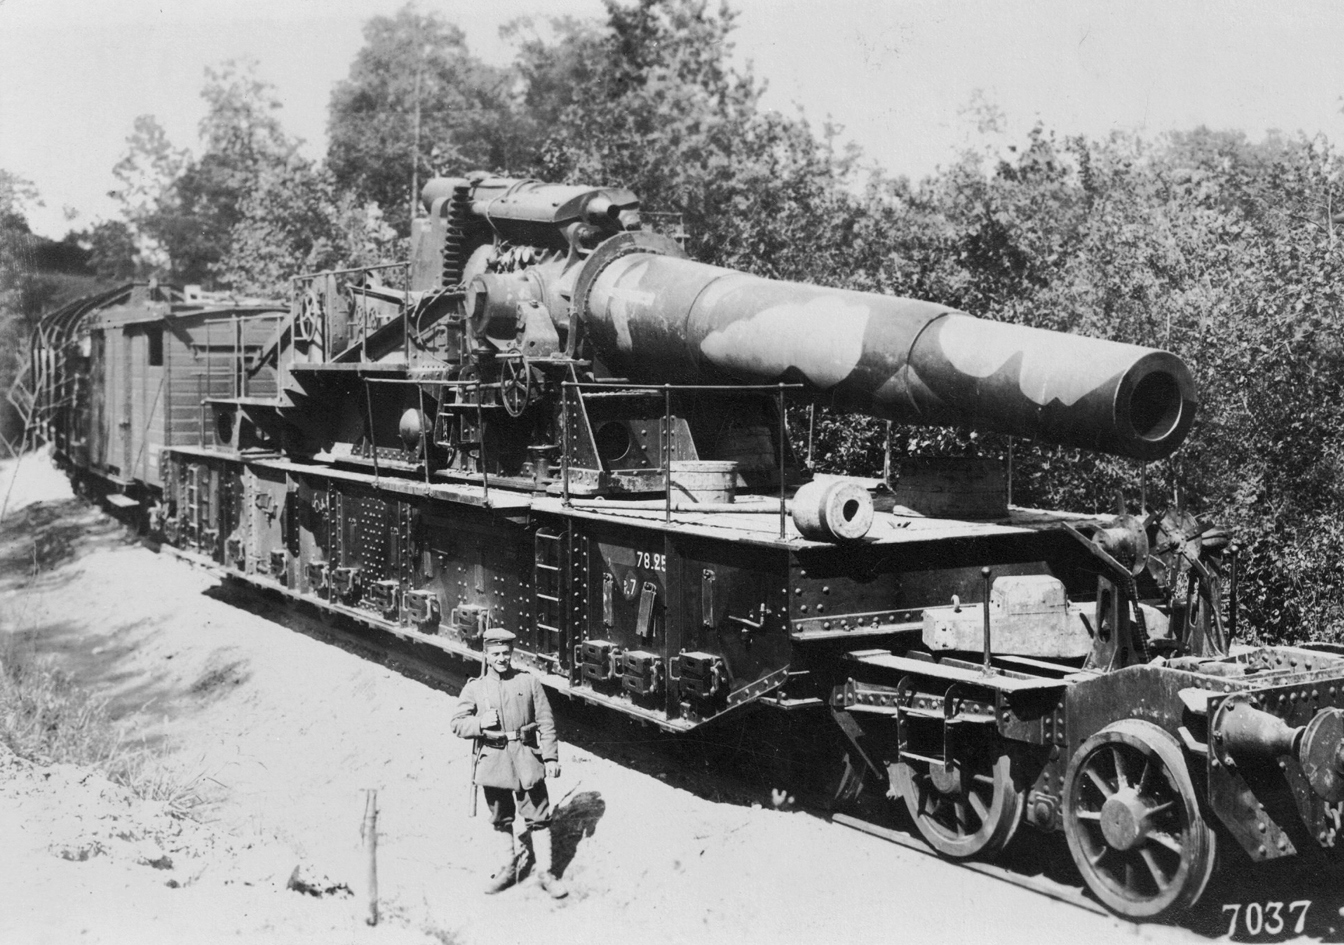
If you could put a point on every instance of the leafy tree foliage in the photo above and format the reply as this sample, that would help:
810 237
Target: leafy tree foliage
248 213
243 142
184 208
416 102
1222 250
295 220
652 102
146 176
110 250
1218 249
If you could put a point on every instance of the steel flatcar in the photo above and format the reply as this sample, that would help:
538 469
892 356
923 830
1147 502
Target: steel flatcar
550 419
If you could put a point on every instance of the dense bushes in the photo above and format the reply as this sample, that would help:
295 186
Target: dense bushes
1218 248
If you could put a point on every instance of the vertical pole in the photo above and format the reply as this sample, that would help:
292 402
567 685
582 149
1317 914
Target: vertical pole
480 446
886 456
415 147
424 434
359 311
1010 472
988 669
564 442
373 443
1233 552
1143 488
783 432
368 832
667 453
326 327
811 430
209 360
237 356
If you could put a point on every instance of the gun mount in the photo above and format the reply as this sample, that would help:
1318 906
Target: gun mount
550 419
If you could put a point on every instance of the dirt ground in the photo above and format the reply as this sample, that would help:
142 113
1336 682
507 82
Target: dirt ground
284 733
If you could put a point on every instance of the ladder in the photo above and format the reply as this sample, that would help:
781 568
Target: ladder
547 593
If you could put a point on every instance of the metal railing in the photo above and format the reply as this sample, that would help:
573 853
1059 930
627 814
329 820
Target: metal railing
361 309
665 439
234 364
665 444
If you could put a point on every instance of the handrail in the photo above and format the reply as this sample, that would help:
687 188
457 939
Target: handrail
666 438
342 272
361 308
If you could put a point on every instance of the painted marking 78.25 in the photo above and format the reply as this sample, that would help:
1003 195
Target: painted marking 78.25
645 559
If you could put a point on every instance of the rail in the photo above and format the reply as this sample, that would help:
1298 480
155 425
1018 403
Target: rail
354 286
420 384
234 369
665 439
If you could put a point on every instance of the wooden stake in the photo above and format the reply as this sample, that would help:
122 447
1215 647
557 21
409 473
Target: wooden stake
368 832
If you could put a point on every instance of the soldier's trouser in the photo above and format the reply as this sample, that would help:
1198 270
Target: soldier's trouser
533 804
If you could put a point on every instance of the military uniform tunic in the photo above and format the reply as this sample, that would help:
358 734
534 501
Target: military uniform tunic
510 766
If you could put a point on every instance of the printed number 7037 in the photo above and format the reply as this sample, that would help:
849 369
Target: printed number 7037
1266 918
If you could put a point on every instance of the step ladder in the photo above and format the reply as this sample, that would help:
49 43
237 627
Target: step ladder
548 585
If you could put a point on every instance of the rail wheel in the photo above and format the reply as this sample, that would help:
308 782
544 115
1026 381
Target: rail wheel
1133 822
970 807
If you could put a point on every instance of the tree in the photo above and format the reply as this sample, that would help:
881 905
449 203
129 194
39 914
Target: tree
147 174
415 103
296 220
16 195
186 206
651 101
110 249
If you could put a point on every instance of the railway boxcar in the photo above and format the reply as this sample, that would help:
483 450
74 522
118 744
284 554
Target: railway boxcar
121 376
550 419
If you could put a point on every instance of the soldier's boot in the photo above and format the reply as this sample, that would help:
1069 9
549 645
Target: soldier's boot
507 874
541 842
523 857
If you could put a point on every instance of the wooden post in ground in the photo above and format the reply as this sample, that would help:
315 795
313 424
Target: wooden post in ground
368 832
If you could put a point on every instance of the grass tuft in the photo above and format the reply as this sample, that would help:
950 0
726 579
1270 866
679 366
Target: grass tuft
47 718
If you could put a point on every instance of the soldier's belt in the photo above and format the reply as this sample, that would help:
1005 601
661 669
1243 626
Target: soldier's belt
499 739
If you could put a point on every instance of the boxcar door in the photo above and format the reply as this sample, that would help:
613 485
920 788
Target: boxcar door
98 400
127 399
136 404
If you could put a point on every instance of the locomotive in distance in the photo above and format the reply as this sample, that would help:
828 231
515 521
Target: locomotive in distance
550 419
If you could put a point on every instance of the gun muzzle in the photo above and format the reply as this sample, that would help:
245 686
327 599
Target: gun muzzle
656 317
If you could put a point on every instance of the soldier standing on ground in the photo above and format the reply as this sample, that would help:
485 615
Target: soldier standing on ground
505 711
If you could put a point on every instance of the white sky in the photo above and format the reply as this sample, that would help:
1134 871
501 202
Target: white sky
897 74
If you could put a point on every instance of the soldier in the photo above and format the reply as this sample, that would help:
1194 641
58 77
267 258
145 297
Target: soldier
505 711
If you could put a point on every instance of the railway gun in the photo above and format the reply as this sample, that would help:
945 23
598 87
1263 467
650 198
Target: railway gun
549 418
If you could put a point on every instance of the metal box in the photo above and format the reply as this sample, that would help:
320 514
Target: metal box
1029 615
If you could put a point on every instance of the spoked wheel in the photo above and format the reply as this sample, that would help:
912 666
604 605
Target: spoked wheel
963 809
1133 823
515 385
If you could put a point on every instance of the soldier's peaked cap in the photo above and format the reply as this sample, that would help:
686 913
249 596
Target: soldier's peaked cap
498 635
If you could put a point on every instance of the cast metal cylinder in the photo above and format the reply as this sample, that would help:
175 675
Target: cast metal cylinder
658 318
832 510
1247 735
1321 754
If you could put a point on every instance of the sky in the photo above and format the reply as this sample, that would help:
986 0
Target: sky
900 76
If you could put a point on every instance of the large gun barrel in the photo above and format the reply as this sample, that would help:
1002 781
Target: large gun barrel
656 317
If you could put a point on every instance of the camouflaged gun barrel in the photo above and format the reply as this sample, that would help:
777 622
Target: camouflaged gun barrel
656 317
